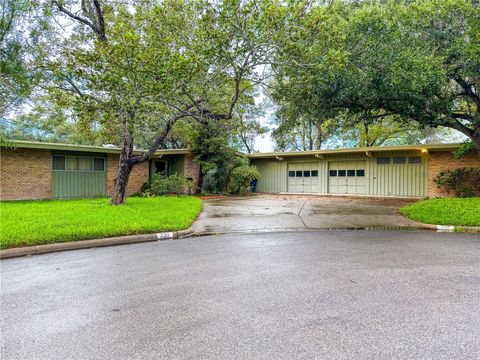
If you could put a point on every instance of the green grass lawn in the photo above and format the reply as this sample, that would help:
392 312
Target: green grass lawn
24 223
447 211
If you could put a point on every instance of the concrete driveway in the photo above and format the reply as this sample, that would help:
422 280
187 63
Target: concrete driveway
265 212
290 295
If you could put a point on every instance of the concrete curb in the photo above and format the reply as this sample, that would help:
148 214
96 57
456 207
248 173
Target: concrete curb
86 244
453 228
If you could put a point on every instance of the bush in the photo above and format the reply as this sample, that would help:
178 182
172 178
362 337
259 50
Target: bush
465 182
161 185
240 178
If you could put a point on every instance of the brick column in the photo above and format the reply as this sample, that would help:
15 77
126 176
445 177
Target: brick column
191 169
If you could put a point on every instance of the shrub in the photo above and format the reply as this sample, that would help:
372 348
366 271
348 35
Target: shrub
465 182
161 185
240 178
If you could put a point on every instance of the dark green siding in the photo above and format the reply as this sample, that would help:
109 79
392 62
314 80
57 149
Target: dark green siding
70 184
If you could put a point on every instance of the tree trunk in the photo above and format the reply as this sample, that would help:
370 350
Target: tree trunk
473 134
200 182
476 142
120 183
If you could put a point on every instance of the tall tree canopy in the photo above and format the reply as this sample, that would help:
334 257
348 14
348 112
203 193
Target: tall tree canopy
419 60
133 71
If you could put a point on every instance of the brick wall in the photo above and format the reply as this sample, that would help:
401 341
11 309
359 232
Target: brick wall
191 169
445 160
25 174
138 176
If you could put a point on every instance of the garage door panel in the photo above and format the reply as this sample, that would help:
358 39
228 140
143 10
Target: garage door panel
303 178
347 177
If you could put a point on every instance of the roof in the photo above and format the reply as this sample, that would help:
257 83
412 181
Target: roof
372 149
84 148
116 150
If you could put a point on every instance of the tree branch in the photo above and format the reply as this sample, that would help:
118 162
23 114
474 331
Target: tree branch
97 24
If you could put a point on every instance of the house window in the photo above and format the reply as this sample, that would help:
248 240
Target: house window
99 164
350 172
306 173
58 162
399 160
161 168
361 173
298 174
383 160
291 174
342 172
415 160
314 173
333 172
77 163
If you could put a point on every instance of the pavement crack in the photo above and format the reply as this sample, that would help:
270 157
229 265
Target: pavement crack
301 209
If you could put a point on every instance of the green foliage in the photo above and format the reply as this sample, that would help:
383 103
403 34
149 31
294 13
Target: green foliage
241 176
418 60
446 211
20 23
466 149
26 223
465 182
161 185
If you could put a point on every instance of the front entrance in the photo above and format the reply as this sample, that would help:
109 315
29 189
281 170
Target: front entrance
303 178
347 177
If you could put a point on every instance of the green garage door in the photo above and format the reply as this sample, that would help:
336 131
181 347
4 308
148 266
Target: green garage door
347 177
78 175
303 178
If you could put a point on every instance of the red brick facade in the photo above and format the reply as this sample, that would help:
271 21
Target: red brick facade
138 176
25 174
445 160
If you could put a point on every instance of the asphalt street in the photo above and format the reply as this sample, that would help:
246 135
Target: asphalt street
323 294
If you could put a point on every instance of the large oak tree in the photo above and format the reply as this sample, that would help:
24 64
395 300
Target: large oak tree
138 69
417 60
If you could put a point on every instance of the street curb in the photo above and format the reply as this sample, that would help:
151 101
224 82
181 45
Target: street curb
86 244
453 228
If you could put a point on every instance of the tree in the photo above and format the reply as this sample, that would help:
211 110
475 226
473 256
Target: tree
18 34
137 70
418 60
247 127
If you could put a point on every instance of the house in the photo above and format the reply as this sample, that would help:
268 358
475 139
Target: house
36 170
403 171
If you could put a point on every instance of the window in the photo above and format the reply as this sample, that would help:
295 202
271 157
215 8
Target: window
298 173
415 160
399 160
161 167
306 173
361 173
342 172
383 160
84 163
77 163
98 164
291 174
350 172
314 173
333 172
58 162
71 163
